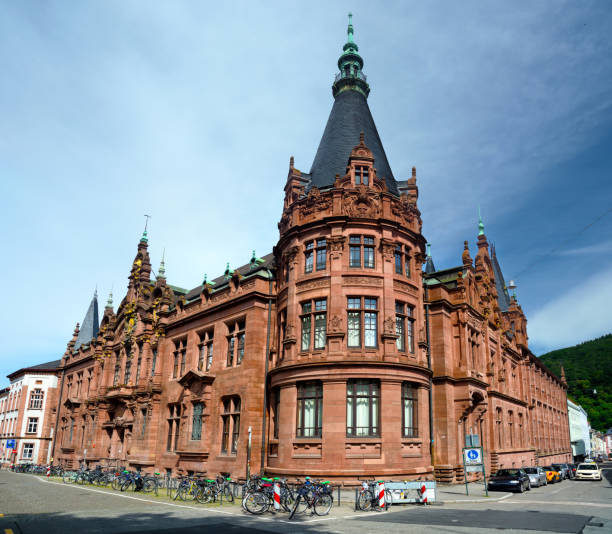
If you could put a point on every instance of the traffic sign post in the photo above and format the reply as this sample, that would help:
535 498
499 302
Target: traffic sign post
473 462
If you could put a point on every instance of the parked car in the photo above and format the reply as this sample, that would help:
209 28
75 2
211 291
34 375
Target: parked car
588 471
552 475
537 476
509 480
563 469
572 470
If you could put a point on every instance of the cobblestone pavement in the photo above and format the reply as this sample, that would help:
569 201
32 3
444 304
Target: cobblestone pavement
31 505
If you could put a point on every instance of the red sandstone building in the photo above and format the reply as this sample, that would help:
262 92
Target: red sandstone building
335 355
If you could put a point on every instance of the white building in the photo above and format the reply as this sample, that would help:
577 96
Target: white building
27 414
579 431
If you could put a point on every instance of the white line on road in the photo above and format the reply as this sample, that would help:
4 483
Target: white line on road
565 503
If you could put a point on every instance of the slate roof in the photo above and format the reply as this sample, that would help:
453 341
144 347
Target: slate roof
350 115
429 266
503 296
90 326
48 366
244 270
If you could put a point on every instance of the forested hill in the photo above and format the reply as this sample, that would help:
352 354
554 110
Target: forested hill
588 370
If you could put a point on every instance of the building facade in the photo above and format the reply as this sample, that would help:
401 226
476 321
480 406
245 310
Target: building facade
580 436
333 356
28 409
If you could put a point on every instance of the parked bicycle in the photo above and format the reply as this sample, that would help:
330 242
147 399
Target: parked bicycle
368 498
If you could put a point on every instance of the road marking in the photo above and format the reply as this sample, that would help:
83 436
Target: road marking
565 503
176 505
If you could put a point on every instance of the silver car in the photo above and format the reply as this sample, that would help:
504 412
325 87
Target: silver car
537 476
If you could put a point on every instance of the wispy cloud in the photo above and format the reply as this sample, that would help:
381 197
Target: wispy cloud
597 248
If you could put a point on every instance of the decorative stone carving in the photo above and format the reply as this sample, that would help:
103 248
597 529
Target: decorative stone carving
361 202
404 286
335 245
389 326
312 284
335 324
314 202
387 247
362 281
290 255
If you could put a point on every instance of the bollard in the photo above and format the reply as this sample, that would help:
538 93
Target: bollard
48 471
276 496
356 499
381 494
423 495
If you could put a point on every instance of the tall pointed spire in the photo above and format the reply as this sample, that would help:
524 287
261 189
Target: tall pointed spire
480 223
162 267
350 63
429 264
90 325
349 116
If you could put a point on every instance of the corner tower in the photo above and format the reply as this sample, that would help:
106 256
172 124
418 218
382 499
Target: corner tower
349 373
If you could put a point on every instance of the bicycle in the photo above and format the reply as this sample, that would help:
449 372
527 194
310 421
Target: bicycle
187 489
317 496
368 497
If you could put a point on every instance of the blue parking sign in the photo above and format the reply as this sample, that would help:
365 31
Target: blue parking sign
11 443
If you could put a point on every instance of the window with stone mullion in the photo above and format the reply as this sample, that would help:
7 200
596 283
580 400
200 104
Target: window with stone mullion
309 410
362 408
196 424
409 411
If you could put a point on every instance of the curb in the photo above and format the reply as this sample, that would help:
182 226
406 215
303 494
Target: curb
459 501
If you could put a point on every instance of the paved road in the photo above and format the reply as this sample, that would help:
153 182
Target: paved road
31 506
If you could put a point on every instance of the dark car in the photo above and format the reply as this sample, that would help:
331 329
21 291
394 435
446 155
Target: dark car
572 470
509 480
563 469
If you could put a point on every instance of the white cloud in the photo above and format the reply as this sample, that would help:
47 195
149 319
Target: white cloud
582 313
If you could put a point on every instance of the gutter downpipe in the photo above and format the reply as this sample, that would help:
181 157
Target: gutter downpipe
264 432
59 403
431 432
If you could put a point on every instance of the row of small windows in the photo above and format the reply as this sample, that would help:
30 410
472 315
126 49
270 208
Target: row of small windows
230 424
361 255
362 409
362 327
235 354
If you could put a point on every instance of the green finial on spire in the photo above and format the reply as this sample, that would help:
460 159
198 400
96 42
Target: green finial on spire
350 63
109 302
162 266
144 238
428 250
480 224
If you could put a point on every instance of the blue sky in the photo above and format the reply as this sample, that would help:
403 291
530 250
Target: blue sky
189 111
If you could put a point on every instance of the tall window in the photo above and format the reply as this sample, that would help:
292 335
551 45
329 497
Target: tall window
362 408
117 375
362 322
153 360
32 425
309 409
143 419
511 428
174 421
404 327
79 383
362 175
180 358
138 364
319 318
276 412
409 410
196 424
231 425
28 451
36 399
315 250
361 247
206 350
71 429
402 260
235 342
128 369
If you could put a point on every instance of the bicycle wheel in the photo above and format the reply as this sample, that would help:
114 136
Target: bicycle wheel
117 481
125 485
256 503
68 477
388 498
149 485
323 503
204 495
191 492
364 502
228 494
295 506
287 500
